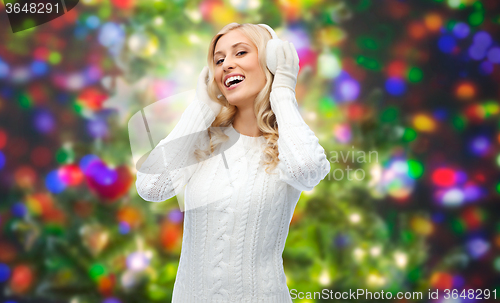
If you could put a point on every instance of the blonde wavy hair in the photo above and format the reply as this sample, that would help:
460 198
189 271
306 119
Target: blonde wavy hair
266 120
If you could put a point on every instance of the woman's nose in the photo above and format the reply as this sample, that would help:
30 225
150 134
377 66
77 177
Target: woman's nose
227 64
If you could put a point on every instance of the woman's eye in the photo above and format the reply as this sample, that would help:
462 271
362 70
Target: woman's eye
242 52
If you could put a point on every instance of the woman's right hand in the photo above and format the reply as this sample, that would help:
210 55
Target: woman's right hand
202 92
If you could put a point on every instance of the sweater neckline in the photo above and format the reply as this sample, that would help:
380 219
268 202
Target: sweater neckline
244 135
247 141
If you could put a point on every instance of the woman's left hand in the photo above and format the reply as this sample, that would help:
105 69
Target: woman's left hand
288 66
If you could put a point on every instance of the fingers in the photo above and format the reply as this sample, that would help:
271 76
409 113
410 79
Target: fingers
288 53
280 54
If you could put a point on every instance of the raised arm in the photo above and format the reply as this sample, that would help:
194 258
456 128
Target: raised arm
303 163
172 162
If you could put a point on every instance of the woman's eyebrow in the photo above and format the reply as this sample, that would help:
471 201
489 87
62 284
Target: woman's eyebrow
234 45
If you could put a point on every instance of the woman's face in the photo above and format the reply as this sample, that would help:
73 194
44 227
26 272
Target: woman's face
235 55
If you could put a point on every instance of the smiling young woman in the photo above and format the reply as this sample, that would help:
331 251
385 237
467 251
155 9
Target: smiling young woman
235 228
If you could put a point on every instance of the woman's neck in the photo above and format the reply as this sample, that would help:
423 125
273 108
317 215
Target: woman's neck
245 122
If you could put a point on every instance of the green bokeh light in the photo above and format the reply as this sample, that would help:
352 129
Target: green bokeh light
64 155
415 75
327 107
104 12
409 135
97 271
369 63
476 18
365 42
54 58
459 122
390 114
415 169
25 101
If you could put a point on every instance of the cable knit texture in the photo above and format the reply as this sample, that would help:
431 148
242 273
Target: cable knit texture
237 218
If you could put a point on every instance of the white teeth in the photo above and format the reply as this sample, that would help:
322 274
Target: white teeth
233 78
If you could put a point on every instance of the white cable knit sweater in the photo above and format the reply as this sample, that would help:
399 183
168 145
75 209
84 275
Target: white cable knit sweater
237 218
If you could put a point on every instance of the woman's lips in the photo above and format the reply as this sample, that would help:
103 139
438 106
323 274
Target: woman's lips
235 85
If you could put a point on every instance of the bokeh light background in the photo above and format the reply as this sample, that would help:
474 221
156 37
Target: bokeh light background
416 83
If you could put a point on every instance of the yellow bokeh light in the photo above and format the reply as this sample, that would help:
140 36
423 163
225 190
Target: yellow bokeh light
424 123
421 226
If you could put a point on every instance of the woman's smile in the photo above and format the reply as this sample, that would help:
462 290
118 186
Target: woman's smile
233 86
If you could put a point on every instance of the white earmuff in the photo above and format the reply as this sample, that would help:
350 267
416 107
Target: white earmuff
271 47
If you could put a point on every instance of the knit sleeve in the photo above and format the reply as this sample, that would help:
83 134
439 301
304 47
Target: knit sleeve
303 163
172 162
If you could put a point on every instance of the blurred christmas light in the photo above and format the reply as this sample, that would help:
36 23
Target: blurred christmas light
328 65
395 86
2 160
480 145
486 67
342 133
477 247
433 21
447 44
375 251
3 138
444 177
496 264
22 278
355 218
409 134
97 271
138 261
396 68
358 253
112 300
401 259
424 123
175 216
4 272
4 69
54 183
453 197
123 228
99 171
375 280
112 36
43 121
19 210
324 278
461 30
493 55
415 75
86 160
39 68
421 226
482 39
417 30
476 18
97 128
92 22
441 280
477 52
472 192
70 174
143 44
